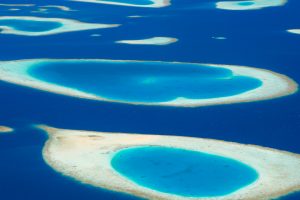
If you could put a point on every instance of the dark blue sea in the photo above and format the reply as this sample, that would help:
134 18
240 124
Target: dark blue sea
256 38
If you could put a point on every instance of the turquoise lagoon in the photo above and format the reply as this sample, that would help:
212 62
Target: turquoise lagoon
30 25
183 172
130 81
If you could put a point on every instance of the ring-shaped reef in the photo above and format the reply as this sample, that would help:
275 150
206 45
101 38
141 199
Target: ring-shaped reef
98 159
249 4
133 3
40 26
148 82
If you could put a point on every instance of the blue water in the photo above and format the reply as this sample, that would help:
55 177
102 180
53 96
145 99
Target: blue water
144 81
139 2
182 172
30 25
254 38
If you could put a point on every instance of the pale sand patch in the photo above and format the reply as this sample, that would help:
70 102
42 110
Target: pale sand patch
274 85
253 4
295 31
63 8
150 41
68 25
6 129
154 3
86 156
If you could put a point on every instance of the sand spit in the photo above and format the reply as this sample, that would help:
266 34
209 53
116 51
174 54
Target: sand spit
150 41
274 85
249 5
68 25
295 31
153 3
86 156
6 129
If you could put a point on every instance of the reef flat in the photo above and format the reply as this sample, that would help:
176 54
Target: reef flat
249 4
59 25
150 41
6 129
260 84
86 156
145 3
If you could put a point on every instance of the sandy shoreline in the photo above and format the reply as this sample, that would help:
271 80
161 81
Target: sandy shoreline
274 85
86 155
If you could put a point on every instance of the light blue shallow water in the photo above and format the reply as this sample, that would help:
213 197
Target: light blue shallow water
183 172
30 25
144 81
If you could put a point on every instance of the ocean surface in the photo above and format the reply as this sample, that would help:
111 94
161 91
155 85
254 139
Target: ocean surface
182 172
256 38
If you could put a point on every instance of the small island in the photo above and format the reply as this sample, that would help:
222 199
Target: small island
6 129
92 158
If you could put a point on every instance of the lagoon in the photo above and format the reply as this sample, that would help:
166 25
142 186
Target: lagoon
182 172
144 81
30 25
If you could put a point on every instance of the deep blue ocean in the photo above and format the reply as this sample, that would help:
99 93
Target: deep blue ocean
255 38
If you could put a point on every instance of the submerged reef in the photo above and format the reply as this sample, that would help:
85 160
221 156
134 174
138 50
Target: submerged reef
87 157
40 26
149 82
249 4
141 3
150 41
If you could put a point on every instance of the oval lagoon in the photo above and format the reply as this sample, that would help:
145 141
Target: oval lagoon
30 25
182 172
144 81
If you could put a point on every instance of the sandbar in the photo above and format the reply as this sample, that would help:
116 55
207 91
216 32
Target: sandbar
68 25
86 157
154 3
150 41
6 129
295 31
63 8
